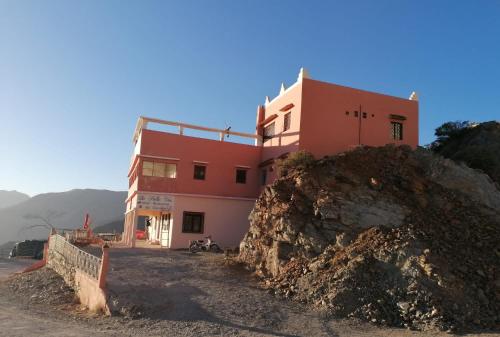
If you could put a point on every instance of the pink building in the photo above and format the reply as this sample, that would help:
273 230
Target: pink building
190 187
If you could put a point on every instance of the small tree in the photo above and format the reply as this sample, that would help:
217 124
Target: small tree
43 221
449 130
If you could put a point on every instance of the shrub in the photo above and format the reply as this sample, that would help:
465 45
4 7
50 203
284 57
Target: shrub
295 160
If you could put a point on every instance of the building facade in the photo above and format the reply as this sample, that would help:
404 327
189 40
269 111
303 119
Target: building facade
191 187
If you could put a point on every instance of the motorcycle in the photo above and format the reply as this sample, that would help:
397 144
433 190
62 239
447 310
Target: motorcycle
202 245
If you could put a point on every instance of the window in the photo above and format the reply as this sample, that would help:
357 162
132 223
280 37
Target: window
156 169
347 113
159 169
147 168
241 176
171 171
364 114
263 177
192 222
200 172
269 132
287 119
355 114
396 131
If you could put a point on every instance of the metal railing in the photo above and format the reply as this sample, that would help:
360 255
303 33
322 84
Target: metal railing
74 256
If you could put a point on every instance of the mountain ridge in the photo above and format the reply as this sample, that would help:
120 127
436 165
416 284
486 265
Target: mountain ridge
28 219
11 198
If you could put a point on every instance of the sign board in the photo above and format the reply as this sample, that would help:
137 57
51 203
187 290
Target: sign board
155 202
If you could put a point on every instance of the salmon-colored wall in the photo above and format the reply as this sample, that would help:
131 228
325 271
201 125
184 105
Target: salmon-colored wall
222 158
284 141
319 125
226 220
326 129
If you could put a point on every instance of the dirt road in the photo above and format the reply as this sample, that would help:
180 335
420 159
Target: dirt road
164 293
175 293
11 266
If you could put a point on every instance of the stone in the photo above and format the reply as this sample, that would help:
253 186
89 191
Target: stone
404 306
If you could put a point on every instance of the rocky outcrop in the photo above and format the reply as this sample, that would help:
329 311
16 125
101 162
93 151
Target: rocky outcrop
477 145
390 235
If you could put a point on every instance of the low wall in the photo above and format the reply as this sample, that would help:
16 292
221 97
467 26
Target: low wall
83 272
89 293
60 265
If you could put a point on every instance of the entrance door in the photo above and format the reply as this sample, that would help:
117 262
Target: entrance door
165 230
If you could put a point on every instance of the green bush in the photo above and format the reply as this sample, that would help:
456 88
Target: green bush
295 160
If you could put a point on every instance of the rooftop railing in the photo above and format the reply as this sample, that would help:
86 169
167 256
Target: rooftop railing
143 122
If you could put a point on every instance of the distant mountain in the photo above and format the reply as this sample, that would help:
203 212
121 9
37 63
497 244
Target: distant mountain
111 227
11 198
27 219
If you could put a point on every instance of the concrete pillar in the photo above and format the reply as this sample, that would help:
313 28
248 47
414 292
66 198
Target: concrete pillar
133 227
129 229
125 234
103 272
46 252
261 114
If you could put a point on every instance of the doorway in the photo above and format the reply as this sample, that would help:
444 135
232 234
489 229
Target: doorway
165 224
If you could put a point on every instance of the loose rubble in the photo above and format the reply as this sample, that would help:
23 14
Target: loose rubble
43 286
388 235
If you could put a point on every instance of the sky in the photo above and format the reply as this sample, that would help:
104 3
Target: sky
75 76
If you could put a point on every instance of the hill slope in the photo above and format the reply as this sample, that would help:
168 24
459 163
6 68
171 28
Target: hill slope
388 235
11 198
63 210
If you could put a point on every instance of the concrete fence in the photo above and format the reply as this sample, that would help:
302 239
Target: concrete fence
84 272
75 257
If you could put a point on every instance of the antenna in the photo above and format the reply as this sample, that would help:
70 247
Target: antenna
227 128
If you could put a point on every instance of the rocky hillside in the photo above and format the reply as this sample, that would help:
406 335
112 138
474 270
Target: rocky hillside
389 235
477 145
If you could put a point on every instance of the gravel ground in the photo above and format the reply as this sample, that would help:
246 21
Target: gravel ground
171 293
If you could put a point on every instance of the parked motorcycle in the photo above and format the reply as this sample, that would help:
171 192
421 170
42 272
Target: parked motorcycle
204 245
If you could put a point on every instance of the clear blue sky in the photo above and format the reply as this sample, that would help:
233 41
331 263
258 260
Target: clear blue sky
75 75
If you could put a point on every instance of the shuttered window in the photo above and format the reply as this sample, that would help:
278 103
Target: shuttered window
287 120
147 168
396 131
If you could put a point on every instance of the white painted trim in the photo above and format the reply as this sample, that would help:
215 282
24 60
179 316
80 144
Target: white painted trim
200 196
158 157
200 162
243 166
286 90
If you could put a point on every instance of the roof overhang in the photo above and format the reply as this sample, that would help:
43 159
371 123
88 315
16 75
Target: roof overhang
287 107
268 120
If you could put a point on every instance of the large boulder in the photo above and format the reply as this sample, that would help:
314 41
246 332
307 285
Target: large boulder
390 235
